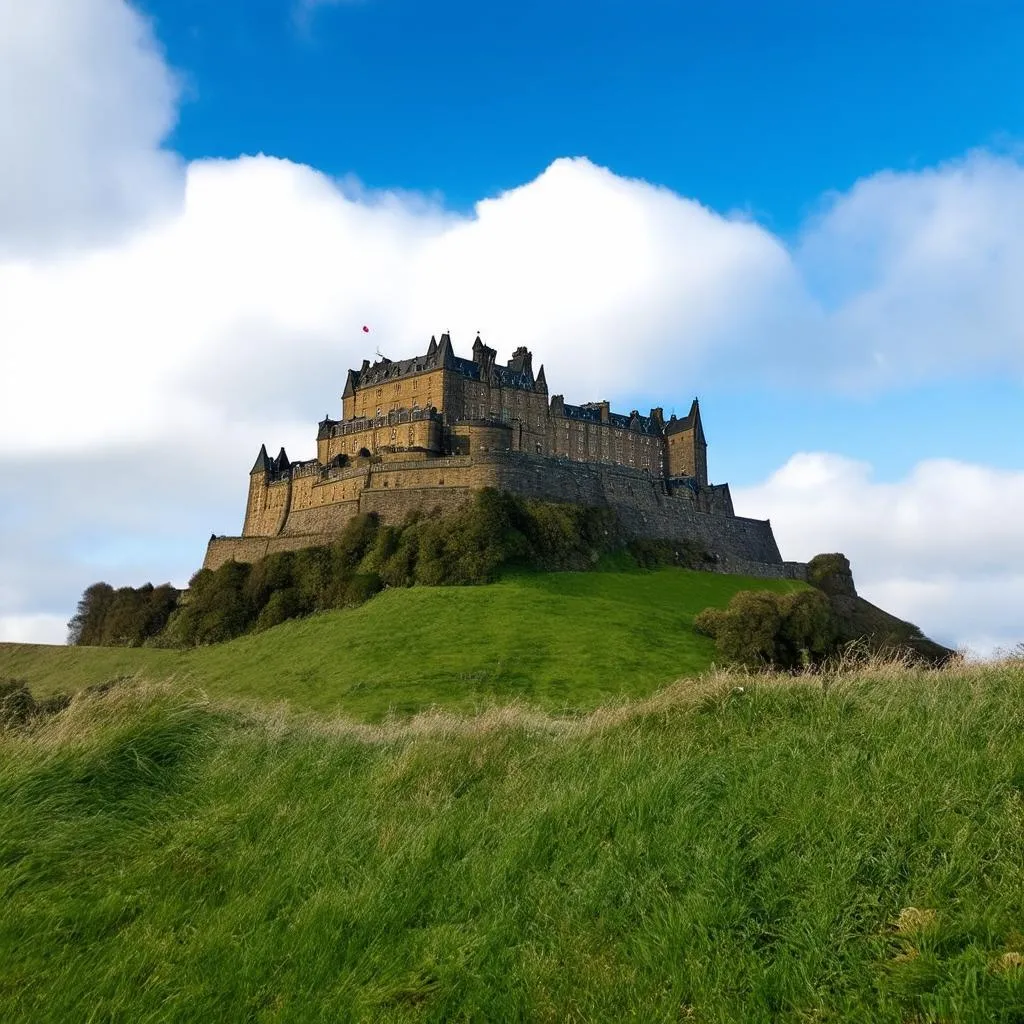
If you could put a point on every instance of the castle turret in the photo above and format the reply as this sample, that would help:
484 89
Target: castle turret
687 447
262 463
445 355
522 361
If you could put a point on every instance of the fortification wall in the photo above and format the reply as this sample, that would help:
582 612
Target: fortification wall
393 489
642 505
392 506
252 549
321 520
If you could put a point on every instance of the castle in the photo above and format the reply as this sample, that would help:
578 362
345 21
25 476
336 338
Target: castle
424 433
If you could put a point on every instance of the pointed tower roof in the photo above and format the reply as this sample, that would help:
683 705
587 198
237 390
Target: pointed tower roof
262 463
695 423
444 350
541 382
432 347
350 385
281 462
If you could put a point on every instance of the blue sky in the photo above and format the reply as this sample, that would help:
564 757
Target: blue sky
809 214
742 104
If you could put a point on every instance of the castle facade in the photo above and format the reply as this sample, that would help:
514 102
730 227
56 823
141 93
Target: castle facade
424 433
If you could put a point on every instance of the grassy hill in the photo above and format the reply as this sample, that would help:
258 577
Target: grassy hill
737 849
560 641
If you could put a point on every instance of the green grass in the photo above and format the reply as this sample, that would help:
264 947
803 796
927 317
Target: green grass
560 640
709 854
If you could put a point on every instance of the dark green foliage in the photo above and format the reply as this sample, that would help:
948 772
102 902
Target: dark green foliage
128 616
355 541
362 587
86 626
312 573
807 633
281 605
19 708
655 554
760 628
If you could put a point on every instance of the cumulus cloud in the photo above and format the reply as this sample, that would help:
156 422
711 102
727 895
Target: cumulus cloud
160 320
916 274
86 99
942 547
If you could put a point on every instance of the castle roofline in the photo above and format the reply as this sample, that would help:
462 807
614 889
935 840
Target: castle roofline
262 463
441 355
691 421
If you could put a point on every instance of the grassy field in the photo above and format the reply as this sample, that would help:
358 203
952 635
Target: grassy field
560 641
736 849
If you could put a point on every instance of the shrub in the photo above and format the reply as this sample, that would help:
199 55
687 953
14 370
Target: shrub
217 608
19 708
362 587
759 628
281 605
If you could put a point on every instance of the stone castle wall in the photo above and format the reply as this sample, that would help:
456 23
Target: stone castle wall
303 511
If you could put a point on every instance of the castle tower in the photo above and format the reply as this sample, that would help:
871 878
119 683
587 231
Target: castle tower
258 478
687 447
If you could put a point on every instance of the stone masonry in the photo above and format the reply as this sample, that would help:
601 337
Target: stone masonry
424 433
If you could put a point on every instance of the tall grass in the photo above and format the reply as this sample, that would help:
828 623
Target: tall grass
741 849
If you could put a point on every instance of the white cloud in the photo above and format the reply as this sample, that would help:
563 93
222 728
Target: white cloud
918 273
85 102
942 547
33 629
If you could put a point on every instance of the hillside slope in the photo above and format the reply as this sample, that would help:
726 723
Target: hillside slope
556 639
733 850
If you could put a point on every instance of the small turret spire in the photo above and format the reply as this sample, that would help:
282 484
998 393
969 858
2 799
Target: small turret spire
262 463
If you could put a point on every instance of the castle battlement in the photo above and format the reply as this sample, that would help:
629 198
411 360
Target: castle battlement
426 432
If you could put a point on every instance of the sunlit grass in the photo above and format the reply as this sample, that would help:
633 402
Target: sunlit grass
560 640
733 849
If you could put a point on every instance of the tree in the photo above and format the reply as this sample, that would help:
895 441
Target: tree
86 625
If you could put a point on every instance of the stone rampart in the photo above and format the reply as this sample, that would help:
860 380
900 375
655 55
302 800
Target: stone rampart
393 488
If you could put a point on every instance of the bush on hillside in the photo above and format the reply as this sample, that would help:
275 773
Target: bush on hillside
653 554
126 617
763 629
19 708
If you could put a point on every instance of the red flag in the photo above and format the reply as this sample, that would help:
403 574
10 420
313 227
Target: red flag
366 330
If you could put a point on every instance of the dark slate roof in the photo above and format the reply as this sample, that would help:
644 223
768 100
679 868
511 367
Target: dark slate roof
466 367
591 413
509 378
690 421
436 355
262 463
390 369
